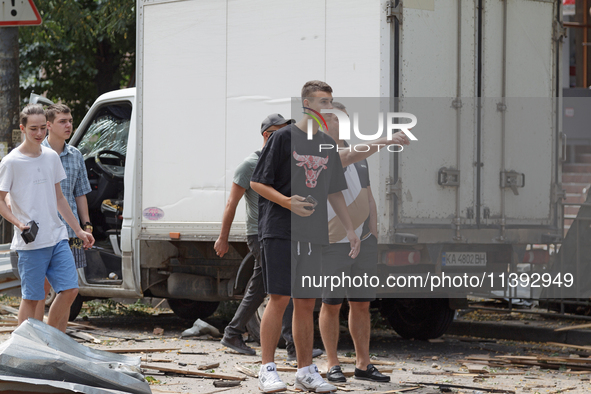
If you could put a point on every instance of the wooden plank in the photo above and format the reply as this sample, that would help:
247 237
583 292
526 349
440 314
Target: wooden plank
398 390
587 325
457 386
84 336
475 368
193 373
150 359
225 383
569 346
9 309
204 367
563 390
246 371
142 350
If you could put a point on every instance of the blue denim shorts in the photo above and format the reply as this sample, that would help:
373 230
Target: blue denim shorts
55 262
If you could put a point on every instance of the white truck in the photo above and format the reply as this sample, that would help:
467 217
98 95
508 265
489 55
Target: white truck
481 76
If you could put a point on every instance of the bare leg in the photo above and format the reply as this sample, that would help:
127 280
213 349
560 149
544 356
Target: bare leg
60 309
360 327
329 329
303 329
26 310
271 326
40 310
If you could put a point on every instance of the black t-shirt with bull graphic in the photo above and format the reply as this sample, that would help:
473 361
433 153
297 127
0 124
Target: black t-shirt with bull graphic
292 164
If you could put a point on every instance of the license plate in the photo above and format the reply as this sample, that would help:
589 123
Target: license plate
455 259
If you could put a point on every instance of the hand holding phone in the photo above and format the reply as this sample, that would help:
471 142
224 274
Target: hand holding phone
311 200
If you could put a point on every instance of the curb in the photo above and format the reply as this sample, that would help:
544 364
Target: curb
519 332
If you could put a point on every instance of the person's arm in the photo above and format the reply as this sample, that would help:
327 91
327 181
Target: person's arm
221 245
337 201
64 209
294 203
7 213
373 213
82 205
352 156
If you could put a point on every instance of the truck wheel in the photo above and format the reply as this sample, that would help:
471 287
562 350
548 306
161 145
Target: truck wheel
50 297
418 318
75 307
192 310
254 325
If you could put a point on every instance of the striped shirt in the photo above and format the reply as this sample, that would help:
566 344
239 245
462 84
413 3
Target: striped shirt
76 183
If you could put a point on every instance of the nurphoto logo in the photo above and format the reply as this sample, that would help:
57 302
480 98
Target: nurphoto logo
345 128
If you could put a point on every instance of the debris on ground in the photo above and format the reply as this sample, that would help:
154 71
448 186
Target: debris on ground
201 328
36 354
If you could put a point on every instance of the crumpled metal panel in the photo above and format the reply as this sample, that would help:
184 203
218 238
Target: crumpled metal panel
37 350
12 384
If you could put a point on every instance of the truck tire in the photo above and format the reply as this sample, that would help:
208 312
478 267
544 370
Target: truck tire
75 308
418 318
254 325
192 310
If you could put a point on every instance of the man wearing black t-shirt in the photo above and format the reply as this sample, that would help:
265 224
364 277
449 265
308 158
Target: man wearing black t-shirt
293 230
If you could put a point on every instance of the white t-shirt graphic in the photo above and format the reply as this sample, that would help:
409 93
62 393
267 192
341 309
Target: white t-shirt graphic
31 184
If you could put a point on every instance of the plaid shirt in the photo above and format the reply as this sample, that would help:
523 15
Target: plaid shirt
76 183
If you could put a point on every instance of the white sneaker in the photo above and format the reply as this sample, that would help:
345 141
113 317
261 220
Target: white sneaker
269 380
312 381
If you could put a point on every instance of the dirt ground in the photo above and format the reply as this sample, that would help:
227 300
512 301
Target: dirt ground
471 365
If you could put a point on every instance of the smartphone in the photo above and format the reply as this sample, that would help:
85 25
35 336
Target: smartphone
311 200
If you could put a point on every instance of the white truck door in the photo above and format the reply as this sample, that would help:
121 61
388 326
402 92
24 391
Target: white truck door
519 118
481 80
432 181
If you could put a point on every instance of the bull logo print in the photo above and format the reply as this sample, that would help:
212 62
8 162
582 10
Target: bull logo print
313 165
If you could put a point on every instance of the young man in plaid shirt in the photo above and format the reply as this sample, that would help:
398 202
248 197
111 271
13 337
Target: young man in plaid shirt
74 187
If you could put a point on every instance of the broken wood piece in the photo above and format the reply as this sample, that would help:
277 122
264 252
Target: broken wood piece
192 373
287 369
578 326
194 353
475 368
203 367
226 383
150 359
342 387
9 309
457 386
214 391
82 335
569 345
563 390
399 390
246 371
142 350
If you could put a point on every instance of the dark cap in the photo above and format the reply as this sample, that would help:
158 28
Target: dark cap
274 120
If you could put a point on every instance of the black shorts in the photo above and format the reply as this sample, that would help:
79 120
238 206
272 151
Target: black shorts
286 262
337 263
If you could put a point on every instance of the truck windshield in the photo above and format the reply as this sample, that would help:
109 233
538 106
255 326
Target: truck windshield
108 131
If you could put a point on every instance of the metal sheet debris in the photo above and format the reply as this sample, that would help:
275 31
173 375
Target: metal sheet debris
38 351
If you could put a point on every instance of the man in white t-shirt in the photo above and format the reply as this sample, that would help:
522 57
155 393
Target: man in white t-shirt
31 174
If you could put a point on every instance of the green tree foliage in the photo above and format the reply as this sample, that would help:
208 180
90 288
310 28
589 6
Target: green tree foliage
83 48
